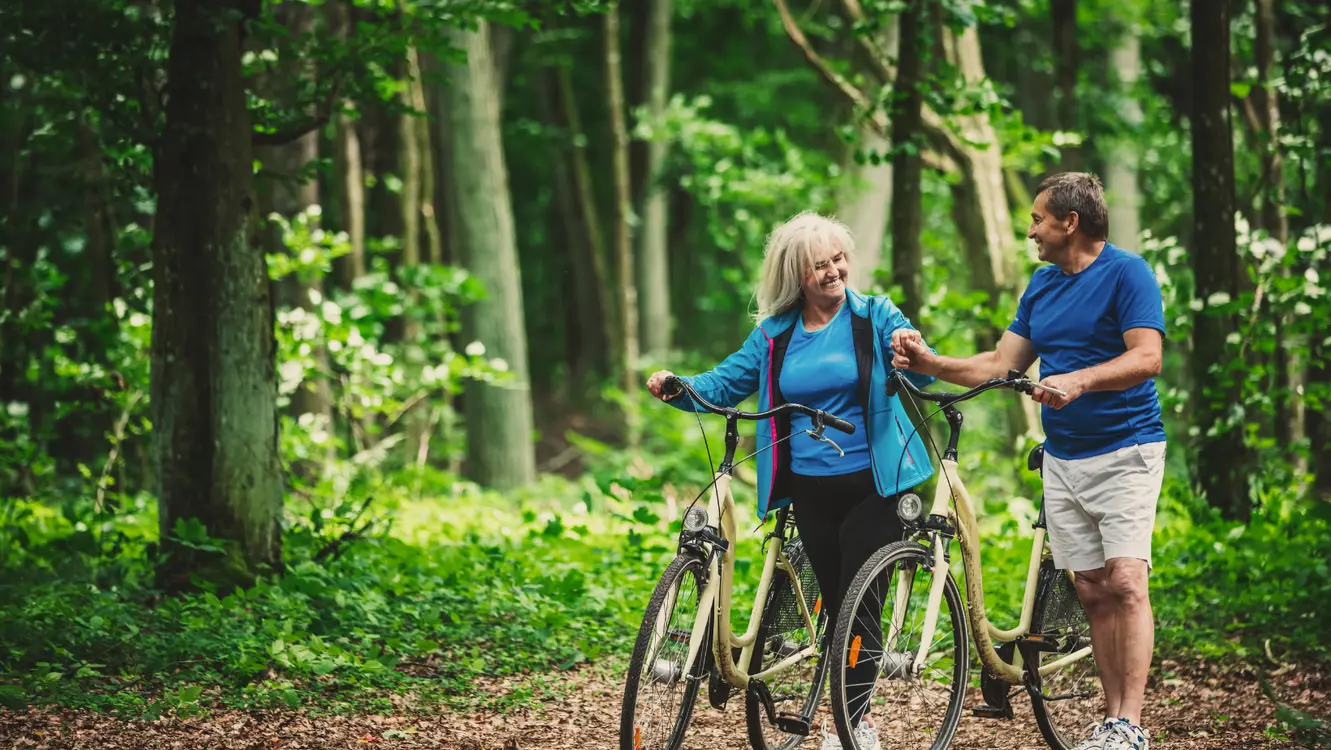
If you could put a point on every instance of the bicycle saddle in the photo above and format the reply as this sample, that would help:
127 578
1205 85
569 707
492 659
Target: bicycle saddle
1035 461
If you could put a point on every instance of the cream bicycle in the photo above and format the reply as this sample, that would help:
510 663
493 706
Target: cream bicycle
686 635
901 644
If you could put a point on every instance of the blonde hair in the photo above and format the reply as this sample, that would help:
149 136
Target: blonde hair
787 259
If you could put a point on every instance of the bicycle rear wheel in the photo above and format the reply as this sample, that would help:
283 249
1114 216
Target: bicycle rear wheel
783 633
882 620
1076 700
658 695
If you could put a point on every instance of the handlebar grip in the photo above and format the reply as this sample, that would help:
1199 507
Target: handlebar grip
840 424
893 384
672 386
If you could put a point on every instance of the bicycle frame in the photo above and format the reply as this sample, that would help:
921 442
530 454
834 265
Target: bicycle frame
715 600
984 632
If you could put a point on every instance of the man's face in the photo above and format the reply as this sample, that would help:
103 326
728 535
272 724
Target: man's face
1049 233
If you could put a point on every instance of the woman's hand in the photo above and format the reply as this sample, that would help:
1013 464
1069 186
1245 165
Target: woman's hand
909 351
656 381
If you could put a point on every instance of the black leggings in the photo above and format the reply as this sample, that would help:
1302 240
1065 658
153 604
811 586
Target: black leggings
843 521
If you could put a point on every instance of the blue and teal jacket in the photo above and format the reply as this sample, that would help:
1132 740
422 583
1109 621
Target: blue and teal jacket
756 368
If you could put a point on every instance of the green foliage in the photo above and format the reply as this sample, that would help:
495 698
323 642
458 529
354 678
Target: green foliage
481 588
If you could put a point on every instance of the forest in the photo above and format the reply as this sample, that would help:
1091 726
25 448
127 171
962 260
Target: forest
325 327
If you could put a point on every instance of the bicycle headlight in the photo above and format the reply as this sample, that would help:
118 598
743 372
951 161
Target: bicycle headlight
909 507
695 519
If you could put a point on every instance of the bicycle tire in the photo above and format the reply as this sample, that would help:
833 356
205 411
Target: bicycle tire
1059 614
633 724
781 619
911 557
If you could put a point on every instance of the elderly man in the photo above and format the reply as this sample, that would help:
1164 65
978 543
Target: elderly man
1094 319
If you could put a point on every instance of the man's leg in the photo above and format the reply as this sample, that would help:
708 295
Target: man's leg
1098 602
1074 538
1134 632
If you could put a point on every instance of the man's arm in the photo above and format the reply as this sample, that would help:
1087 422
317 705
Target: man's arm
1141 362
1013 353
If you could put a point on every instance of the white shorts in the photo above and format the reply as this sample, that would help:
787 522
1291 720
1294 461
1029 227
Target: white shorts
1103 507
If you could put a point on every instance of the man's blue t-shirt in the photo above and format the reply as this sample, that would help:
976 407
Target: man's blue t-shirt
819 371
1077 321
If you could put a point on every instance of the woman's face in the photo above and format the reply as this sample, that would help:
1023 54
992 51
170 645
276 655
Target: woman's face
826 279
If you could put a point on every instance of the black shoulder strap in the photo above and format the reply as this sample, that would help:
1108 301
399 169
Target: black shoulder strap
861 330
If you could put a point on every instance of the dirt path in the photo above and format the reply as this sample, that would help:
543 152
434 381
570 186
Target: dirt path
1182 714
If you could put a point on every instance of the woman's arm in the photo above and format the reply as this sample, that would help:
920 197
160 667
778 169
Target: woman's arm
727 384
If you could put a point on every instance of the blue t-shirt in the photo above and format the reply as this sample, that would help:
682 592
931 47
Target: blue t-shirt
1077 321
819 371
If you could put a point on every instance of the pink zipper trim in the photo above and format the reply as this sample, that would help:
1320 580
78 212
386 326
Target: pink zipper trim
771 394
905 445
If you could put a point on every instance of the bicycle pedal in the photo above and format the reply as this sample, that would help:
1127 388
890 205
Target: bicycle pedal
1039 643
993 688
992 712
794 724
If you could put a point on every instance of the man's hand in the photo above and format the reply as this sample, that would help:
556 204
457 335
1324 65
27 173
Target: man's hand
909 351
1070 383
655 382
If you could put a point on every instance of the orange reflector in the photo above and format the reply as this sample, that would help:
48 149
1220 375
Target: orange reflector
637 738
1038 638
854 652
818 606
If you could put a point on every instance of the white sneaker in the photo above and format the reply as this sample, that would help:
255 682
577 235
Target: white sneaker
830 740
1098 734
1125 736
866 738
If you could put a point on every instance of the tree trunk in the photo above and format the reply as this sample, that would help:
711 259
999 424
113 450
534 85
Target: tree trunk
1319 361
1123 194
351 181
1289 368
429 162
984 218
907 199
380 136
417 213
1222 457
587 342
654 271
214 392
1064 16
441 141
865 198
349 171
592 253
628 293
499 414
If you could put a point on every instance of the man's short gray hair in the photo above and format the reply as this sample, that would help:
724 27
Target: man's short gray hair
1080 192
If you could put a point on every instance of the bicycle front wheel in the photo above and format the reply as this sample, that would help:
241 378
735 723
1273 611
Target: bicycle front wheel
784 634
875 648
658 694
1075 701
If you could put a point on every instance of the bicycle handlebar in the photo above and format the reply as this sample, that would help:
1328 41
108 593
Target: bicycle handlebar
674 385
1014 380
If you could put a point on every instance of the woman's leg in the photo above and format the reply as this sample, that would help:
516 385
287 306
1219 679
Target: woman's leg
821 505
867 528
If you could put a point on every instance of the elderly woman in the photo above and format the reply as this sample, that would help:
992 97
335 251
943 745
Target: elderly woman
819 343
